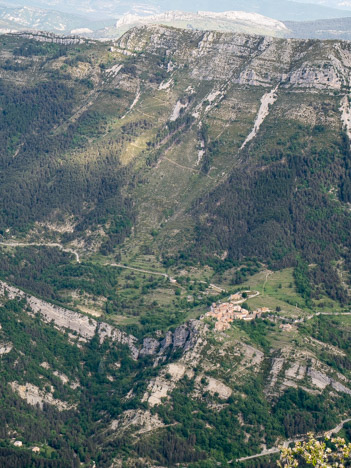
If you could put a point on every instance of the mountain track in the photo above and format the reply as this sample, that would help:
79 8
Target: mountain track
301 438
38 244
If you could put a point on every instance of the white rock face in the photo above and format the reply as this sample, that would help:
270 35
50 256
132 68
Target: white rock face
216 386
65 380
212 96
165 84
143 420
176 111
321 381
310 77
301 369
114 70
267 100
84 326
150 347
248 60
134 103
226 17
49 37
158 388
277 366
200 154
253 356
177 371
297 372
244 16
190 338
5 348
33 396
345 110
162 385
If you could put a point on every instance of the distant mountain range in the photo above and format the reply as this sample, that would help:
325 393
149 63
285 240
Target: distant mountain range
229 21
342 4
234 21
283 10
22 18
30 18
338 28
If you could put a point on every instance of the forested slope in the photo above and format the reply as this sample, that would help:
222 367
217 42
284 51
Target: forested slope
142 180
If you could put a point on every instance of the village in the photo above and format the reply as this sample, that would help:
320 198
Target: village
226 312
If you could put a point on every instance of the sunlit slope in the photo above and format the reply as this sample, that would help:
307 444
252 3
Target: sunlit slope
170 141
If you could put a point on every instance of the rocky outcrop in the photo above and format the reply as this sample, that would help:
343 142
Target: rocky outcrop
215 387
229 20
35 396
302 369
86 327
161 387
321 381
83 326
141 421
166 342
191 338
5 348
50 37
184 336
246 60
150 347
180 336
277 366
104 330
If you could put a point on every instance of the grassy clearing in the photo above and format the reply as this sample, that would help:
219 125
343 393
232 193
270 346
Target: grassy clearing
122 320
278 292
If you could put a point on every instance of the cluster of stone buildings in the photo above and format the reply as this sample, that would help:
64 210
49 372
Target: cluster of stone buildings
226 312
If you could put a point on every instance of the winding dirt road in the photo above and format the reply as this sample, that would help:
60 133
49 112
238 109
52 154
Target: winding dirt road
118 265
38 244
286 443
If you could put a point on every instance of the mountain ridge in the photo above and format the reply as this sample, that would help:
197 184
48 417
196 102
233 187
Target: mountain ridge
273 8
247 21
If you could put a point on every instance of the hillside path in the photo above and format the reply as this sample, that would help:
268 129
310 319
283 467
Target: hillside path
38 244
165 275
140 270
76 254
